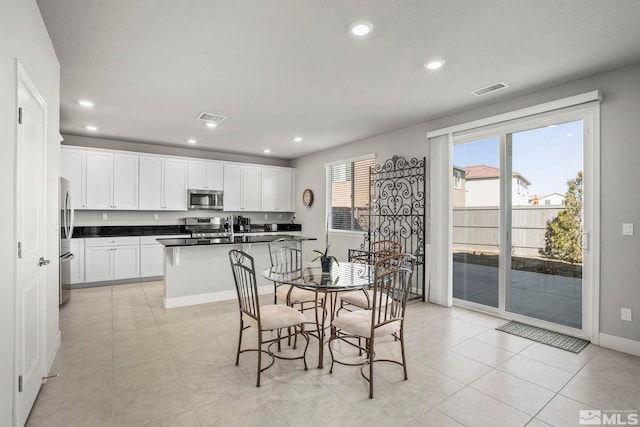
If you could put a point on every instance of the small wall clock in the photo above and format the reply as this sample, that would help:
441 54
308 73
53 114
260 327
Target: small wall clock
307 197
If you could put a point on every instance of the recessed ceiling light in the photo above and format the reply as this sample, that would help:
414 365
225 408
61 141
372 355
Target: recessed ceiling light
191 141
86 103
91 128
361 28
298 139
267 151
434 64
211 124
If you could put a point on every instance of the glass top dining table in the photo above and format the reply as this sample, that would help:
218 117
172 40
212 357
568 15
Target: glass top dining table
345 276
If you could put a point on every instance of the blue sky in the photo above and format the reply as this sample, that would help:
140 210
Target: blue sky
548 157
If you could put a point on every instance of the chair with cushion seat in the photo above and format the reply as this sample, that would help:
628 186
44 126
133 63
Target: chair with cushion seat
362 299
391 287
268 318
287 255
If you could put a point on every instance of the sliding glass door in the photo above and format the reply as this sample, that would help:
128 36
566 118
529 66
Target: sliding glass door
476 221
518 226
545 223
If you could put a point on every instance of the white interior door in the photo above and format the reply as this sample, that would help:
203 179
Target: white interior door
30 362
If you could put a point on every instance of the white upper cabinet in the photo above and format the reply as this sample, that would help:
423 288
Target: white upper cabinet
163 183
205 175
99 180
251 188
112 180
151 186
232 187
269 190
175 184
125 181
242 187
73 166
277 189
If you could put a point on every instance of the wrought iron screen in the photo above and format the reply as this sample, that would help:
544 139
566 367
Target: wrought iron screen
397 194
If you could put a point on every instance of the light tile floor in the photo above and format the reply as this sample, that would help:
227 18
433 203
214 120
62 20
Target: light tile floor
126 361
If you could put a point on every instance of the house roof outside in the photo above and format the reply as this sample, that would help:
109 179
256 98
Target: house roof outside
550 195
488 172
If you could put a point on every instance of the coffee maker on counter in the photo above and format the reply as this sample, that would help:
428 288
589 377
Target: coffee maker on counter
242 224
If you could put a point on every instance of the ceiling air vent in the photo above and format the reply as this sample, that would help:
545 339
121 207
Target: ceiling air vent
208 117
490 88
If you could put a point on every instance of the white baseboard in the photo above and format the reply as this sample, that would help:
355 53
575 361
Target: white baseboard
620 344
53 351
209 297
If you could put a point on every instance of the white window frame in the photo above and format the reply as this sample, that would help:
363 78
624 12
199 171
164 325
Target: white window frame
441 155
328 195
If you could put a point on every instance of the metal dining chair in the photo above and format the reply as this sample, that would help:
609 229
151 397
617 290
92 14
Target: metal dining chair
362 299
391 287
286 254
267 318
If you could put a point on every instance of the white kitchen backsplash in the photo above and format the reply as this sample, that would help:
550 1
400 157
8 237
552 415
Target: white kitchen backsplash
95 218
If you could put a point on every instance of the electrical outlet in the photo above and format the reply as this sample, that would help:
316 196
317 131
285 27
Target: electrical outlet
156 216
280 216
266 216
627 229
625 314
104 216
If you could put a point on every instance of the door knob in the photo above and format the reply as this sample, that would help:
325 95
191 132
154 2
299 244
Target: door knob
43 261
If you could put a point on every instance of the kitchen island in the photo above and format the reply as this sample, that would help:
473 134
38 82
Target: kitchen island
197 271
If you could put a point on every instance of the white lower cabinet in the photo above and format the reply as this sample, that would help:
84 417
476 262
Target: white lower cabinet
101 259
112 258
77 263
152 255
151 260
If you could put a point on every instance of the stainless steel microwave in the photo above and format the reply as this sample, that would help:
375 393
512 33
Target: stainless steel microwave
205 199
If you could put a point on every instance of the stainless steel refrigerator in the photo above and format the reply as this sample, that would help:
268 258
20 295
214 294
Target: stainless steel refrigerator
66 232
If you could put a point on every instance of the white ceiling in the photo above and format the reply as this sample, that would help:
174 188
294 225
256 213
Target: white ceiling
284 68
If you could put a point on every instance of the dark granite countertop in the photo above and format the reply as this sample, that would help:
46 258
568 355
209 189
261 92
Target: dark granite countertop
262 228
172 243
162 230
128 230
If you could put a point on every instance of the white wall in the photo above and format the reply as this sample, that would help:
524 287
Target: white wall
24 36
310 173
620 130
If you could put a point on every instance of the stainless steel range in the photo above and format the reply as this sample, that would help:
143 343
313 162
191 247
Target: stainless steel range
208 227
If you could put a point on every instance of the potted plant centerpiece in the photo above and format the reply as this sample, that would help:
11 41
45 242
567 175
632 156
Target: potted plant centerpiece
326 260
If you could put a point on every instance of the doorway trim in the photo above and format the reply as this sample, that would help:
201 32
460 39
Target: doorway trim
441 182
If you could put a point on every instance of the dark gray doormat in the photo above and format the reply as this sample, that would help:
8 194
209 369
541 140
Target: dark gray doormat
544 336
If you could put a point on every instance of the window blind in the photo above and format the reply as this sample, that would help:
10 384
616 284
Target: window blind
350 195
